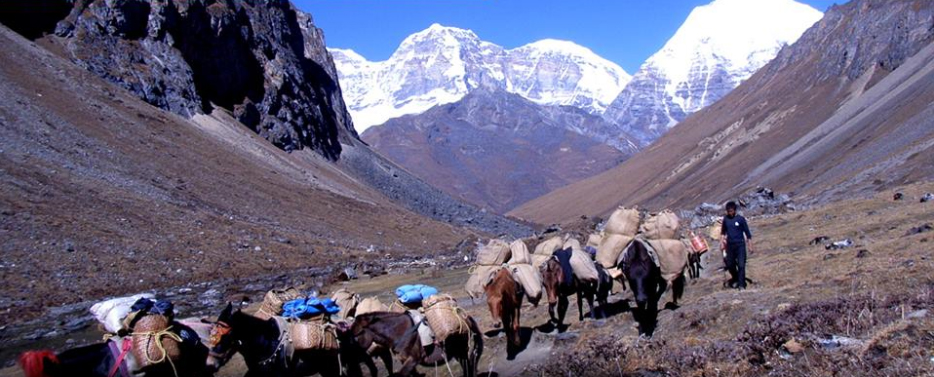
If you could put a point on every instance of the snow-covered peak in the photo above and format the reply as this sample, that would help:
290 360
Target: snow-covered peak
441 64
742 33
718 46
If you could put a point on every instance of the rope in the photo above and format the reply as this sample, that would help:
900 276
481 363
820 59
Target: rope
157 335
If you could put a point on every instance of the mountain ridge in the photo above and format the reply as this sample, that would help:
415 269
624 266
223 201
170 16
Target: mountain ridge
718 46
842 112
440 64
497 149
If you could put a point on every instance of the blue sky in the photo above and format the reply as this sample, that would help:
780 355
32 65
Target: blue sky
624 31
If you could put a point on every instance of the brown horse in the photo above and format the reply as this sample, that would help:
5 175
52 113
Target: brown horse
558 289
398 332
504 296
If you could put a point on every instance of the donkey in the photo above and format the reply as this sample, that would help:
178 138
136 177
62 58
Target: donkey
647 285
265 348
504 297
399 333
558 287
112 358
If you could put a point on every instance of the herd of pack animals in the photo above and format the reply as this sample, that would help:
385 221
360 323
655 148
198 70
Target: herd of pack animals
628 251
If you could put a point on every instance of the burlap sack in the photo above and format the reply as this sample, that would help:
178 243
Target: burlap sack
444 317
272 302
496 252
610 248
313 335
370 305
572 243
672 257
624 221
661 226
152 342
595 239
538 260
549 246
478 280
111 313
347 301
520 253
531 280
583 266
715 230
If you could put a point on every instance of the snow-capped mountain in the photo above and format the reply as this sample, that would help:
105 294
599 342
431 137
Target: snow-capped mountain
440 65
719 46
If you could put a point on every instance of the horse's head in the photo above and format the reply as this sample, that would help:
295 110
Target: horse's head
223 341
552 276
497 292
640 271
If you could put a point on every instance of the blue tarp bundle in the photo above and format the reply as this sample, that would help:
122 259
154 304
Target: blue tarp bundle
415 293
309 307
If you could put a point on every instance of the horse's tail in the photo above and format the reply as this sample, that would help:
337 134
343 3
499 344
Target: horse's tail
476 346
33 362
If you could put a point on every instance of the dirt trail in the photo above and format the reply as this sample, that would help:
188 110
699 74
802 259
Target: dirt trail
798 286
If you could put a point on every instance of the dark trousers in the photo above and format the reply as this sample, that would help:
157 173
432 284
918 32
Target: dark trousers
736 263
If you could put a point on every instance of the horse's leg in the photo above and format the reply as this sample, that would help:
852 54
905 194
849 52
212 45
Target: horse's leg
591 292
386 356
562 308
677 289
580 303
408 366
516 327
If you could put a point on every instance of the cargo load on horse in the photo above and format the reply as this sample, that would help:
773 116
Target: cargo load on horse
347 301
444 317
370 305
584 268
316 334
671 257
623 221
521 268
611 246
273 301
490 259
661 226
620 228
309 308
111 313
152 336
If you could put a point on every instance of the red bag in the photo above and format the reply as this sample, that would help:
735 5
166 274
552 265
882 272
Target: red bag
698 244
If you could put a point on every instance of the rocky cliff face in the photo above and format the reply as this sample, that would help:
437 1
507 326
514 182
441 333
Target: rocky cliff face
260 59
496 149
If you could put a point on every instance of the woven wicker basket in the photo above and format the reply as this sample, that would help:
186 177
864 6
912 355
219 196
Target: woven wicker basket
272 302
444 316
146 341
314 335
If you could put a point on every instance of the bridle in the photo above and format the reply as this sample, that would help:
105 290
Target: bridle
218 332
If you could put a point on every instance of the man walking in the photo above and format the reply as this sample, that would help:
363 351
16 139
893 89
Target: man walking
734 237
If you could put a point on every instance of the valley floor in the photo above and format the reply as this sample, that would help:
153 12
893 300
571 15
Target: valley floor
867 310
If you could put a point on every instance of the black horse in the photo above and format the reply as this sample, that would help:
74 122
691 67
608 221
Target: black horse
558 286
398 332
104 359
646 283
265 348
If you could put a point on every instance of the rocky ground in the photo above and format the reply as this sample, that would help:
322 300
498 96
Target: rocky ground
867 309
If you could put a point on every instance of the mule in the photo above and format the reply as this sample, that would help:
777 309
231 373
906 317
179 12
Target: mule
265 348
504 297
399 333
559 288
104 360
